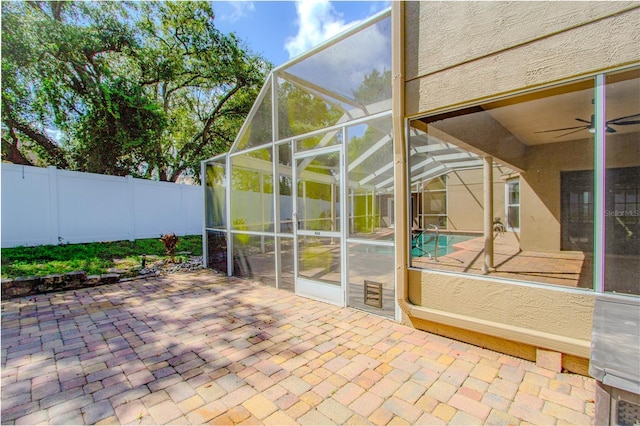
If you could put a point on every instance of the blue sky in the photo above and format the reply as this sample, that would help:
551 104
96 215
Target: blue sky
281 30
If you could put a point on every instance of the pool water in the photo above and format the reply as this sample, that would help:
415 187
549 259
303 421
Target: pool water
425 244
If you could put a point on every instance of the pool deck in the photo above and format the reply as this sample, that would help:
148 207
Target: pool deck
565 268
195 348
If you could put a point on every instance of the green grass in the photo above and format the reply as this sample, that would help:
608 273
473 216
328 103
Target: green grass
93 258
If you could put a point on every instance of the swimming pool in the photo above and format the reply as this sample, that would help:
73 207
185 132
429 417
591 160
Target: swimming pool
425 244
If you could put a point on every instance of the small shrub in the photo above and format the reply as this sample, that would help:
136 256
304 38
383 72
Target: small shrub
170 242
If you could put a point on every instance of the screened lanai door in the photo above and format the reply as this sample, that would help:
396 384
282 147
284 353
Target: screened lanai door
318 231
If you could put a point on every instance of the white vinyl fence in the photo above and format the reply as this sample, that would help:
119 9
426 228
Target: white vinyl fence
51 206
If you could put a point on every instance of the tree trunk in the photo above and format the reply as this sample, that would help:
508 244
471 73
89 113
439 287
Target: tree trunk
12 154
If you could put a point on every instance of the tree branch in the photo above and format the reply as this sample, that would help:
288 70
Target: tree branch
56 10
210 120
202 134
42 140
169 92
11 152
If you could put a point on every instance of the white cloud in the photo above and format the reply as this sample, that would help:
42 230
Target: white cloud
239 9
378 6
317 21
341 68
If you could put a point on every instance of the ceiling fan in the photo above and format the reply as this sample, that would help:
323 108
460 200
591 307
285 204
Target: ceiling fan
620 121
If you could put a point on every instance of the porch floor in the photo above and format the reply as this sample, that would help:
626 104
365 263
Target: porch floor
573 269
200 348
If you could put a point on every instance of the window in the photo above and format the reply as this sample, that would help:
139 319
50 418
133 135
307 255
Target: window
513 205
559 229
519 152
577 210
622 183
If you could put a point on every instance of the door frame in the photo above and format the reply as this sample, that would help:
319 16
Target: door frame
306 287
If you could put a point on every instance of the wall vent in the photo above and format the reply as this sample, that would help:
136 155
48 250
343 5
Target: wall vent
628 413
373 294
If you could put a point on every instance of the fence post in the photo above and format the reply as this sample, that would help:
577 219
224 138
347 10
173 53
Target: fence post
132 207
184 209
54 222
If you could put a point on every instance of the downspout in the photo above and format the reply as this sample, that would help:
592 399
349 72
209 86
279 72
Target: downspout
400 162
400 159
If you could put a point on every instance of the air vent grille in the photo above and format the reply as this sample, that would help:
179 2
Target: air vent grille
628 413
373 294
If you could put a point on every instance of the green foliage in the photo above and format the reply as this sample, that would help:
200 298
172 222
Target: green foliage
301 112
92 266
141 88
246 179
94 258
124 127
376 87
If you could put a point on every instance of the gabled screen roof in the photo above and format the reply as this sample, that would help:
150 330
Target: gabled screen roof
346 78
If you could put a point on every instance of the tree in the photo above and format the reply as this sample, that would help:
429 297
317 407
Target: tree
56 61
205 81
301 111
375 87
141 88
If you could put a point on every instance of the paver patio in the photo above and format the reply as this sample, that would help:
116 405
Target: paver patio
203 348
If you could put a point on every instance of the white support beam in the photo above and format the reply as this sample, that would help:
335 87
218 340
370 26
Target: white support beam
368 153
488 215
306 84
377 173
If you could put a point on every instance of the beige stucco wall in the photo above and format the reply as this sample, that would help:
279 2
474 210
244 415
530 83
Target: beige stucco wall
535 315
465 189
458 52
540 191
540 185
549 310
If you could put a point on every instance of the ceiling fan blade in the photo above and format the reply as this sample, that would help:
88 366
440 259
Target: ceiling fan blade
558 130
575 131
613 121
624 123
610 130
583 121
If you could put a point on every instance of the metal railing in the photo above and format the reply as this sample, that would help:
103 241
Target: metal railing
432 226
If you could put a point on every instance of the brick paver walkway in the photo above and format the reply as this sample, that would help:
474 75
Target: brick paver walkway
200 347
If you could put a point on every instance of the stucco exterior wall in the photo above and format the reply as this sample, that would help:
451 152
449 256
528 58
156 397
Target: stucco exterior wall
465 190
458 52
512 304
540 316
540 191
540 185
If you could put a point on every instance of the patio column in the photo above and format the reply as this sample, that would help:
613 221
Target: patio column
488 215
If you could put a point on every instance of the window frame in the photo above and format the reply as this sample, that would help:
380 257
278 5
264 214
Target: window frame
599 170
508 204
